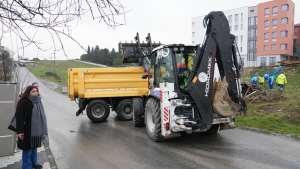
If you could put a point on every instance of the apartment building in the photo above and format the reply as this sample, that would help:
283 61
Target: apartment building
264 33
275 31
238 23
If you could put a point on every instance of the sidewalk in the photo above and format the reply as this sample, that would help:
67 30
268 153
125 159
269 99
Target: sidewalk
45 158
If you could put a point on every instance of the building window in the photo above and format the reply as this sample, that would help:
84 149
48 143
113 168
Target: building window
193 24
284 33
252 44
252 21
241 40
266 23
230 28
241 16
241 26
266 47
193 42
256 20
236 17
273 47
272 60
252 33
251 56
275 9
236 39
284 20
296 29
193 34
285 7
230 18
267 11
241 49
274 35
274 22
236 27
263 61
252 10
266 36
283 46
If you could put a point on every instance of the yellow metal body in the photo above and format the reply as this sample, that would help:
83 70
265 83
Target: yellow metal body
106 82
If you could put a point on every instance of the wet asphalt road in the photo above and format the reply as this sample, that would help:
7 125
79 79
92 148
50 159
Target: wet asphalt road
77 143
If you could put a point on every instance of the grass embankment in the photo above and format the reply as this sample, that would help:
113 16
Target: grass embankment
57 73
281 115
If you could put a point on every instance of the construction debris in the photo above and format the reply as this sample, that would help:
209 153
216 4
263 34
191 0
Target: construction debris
253 93
289 62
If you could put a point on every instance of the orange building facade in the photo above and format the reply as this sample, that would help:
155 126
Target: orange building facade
275 31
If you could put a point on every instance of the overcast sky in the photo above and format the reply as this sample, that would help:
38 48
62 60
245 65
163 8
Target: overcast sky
168 21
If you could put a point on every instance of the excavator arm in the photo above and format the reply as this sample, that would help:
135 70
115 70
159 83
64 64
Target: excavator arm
219 47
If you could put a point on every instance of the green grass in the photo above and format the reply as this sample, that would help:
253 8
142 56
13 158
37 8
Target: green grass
281 115
57 73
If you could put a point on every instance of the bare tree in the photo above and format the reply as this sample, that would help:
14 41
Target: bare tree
54 16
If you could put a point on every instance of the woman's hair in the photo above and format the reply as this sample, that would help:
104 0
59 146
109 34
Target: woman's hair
26 93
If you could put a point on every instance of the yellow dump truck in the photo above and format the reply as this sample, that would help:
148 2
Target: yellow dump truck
102 89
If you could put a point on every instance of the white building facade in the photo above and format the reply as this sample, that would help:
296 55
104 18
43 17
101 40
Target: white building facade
238 23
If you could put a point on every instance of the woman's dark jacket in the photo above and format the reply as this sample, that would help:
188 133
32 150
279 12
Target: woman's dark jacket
23 114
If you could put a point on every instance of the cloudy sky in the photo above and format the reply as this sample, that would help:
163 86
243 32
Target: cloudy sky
168 21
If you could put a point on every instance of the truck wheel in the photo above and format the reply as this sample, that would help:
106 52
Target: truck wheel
98 111
125 109
138 111
153 119
214 129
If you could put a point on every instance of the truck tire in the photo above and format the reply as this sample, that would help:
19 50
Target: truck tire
125 110
138 111
153 119
214 129
98 111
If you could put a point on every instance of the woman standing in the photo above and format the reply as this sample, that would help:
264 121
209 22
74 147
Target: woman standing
31 127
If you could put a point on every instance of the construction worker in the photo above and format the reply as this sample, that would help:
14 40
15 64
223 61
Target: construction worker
266 76
271 81
281 81
254 79
261 80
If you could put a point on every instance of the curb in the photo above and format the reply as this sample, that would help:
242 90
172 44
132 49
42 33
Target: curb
256 130
50 156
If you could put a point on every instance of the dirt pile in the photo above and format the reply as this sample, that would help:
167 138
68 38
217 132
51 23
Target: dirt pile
52 74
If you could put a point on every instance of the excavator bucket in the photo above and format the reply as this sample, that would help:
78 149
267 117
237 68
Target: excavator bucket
221 101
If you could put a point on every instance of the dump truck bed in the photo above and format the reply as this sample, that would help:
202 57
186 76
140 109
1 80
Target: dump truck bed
106 82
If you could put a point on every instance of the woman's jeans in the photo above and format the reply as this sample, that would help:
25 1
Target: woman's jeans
29 158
